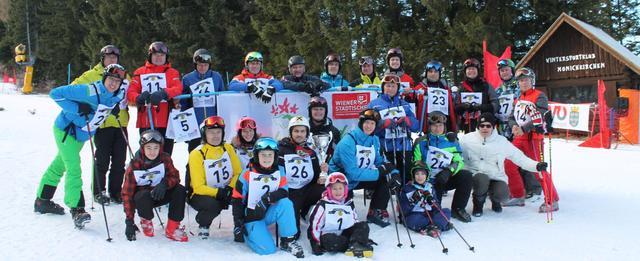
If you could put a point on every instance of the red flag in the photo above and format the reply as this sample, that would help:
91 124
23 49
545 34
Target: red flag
601 140
490 70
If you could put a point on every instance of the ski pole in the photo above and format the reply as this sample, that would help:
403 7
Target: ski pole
423 115
393 209
126 139
445 250
547 194
404 219
549 173
93 160
471 248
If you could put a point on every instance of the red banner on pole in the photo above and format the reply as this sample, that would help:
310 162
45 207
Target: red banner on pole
490 64
602 139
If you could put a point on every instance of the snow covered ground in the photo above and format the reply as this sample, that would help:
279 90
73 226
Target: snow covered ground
597 218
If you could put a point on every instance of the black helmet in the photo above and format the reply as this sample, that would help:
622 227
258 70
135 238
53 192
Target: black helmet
109 49
471 62
368 114
394 52
202 56
433 65
158 47
332 58
318 101
293 60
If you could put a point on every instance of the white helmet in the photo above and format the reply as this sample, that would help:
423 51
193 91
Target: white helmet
299 121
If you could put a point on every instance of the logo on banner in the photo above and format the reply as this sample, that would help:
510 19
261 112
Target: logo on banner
349 105
284 108
574 116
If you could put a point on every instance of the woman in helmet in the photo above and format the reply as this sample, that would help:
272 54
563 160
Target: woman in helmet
151 181
260 199
245 139
111 145
321 124
253 80
331 74
358 157
155 84
84 109
395 62
439 96
476 96
298 80
304 171
441 153
398 122
334 222
214 169
201 80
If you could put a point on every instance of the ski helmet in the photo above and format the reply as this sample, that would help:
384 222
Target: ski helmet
158 47
433 65
437 117
368 114
394 52
526 72
318 101
333 178
109 49
365 60
332 58
246 122
212 122
299 121
253 56
114 70
391 78
506 62
419 167
202 56
293 60
471 62
151 136
265 143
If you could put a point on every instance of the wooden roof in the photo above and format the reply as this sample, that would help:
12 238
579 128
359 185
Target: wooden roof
598 36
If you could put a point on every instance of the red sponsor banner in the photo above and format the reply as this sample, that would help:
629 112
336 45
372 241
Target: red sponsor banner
349 105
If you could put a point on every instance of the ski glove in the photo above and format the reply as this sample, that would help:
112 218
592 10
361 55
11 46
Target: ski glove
465 106
143 98
452 136
355 82
266 96
475 107
426 195
273 197
84 109
258 212
258 92
309 87
158 192
541 166
416 196
388 123
443 176
251 88
394 182
224 195
157 97
130 230
403 122
386 168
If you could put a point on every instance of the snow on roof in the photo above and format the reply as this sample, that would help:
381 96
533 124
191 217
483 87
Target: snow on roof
601 38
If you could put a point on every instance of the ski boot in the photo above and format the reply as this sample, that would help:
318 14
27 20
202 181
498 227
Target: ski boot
102 198
116 199
44 206
357 249
147 227
80 217
496 206
534 197
175 232
461 214
238 235
552 207
203 232
379 217
514 202
291 245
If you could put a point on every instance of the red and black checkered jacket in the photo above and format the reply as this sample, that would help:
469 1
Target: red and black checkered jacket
130 187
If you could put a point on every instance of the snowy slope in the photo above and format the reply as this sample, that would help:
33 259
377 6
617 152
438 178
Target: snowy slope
597 218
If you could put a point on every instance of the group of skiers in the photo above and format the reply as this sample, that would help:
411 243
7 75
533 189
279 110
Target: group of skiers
266 181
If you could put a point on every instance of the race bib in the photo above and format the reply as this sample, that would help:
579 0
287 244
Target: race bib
393 114
523 111
218 172
438 100
260 82
152 82
438 159
338 217
299 170
99 117
244 156
183 125
203 86
404 85
365 157
150 177
506 107
471 98
123 89
259 184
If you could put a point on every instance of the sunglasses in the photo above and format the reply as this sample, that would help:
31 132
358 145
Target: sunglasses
366 60
488 126
391 78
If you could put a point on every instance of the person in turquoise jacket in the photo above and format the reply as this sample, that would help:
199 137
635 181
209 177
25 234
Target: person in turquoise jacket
358 156
84 109
331 74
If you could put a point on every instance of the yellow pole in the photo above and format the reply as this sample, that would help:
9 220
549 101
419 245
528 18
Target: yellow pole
28 75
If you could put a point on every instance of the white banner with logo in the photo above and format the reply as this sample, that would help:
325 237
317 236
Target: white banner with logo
272 119
570 116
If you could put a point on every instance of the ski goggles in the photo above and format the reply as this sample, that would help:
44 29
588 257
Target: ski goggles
159 48
116 71
248 123
370 114
365 60
110 50
151 136
391 78
336 177
433 119
505 63
524 72
317 101
213 122
266 144
435 65
203 58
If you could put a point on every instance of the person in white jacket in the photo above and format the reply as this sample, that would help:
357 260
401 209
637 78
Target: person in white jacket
484 152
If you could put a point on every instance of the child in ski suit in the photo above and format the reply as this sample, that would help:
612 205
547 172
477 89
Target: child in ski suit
417 202
260 199
334 222
150 181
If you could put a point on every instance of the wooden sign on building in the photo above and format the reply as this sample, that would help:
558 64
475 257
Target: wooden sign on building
571 56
